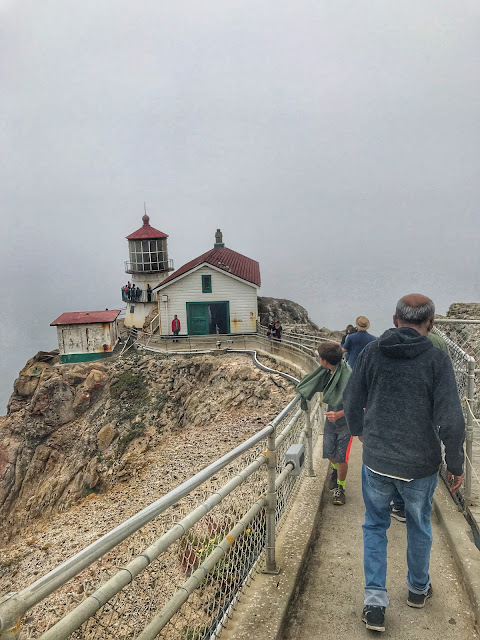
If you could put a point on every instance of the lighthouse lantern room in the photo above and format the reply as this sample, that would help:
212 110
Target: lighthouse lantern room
147 266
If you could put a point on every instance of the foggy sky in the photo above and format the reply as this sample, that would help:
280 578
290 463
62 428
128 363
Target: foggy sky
334 142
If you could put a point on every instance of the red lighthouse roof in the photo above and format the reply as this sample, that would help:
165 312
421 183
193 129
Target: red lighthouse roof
146 232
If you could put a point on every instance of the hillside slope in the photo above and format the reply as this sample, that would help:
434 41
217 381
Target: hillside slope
74 430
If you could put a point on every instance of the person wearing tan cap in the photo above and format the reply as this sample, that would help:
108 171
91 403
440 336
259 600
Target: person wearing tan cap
355 342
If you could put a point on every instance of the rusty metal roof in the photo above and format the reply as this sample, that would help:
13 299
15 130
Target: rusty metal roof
229 261
146 232
86 317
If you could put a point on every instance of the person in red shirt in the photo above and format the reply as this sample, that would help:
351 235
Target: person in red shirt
175 328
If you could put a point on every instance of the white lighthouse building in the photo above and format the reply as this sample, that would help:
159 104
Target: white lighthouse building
147 266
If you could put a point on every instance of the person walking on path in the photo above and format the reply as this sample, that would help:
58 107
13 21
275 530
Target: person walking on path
402 401
355 342
331 378
337 440
350 329
175 328
398 506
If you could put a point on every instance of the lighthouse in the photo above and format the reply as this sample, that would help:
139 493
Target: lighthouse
147 266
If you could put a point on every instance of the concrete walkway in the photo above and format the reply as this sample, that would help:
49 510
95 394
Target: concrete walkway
329 602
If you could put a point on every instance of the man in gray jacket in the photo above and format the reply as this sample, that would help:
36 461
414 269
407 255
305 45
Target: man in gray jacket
402 401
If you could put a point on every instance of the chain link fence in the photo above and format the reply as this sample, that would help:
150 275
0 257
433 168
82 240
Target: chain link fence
466 335
127 613
463 341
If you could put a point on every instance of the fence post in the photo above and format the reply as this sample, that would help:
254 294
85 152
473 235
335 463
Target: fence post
271 564
469 431
321 416
11 626
309 472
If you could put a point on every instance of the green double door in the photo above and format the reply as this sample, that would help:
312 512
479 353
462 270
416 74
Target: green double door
204 318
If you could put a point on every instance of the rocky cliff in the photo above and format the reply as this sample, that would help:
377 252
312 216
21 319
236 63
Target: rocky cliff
74 430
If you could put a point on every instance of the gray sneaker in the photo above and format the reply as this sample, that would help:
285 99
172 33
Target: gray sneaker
417 600
374 618
398 514
339 496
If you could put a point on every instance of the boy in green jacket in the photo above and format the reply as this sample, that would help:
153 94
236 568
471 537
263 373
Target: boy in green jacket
331 379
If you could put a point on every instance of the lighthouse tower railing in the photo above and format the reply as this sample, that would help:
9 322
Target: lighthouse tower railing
149 267
140 295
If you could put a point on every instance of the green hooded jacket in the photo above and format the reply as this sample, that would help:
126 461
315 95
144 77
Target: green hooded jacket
321 379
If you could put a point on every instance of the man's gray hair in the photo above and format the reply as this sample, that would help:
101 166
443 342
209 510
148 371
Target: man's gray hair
415 314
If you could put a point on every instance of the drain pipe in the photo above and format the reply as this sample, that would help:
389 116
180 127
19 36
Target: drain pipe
258 364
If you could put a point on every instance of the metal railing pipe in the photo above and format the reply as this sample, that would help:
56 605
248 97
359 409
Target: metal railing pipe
455 321
73 620
263 367
181 596
289 426
469 431
15 606
278 418
309 472
271 564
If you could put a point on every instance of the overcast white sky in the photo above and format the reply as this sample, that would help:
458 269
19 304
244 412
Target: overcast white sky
335 142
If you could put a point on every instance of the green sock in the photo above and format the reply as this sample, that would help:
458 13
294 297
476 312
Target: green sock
334 465
341 483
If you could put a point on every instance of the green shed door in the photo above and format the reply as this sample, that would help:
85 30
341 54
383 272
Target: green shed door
197 318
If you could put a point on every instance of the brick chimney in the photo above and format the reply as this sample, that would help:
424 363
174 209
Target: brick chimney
219 244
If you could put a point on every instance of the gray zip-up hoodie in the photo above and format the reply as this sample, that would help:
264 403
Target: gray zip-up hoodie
411 402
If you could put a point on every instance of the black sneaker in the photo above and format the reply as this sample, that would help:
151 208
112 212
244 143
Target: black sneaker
374 618
418 600
332 484
398 514
339 495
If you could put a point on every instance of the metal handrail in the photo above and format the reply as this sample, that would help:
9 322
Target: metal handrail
469 397
293 336
18 603
143 297
162 617
455 321
125 575
196 344
14 605
116 583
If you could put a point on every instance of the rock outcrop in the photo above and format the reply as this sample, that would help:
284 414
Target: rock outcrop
293 318
466 335
465 310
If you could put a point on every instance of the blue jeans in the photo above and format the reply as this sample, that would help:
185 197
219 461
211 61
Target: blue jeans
378 492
